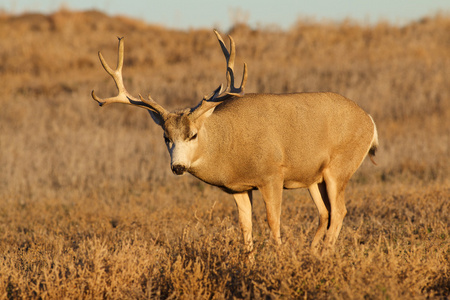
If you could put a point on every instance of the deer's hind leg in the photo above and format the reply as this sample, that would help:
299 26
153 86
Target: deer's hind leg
335 188
319 195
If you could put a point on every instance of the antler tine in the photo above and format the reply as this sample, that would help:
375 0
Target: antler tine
244 77
229 56
222 45
117 73
123 96
239 91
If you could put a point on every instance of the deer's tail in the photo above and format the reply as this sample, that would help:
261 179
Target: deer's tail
374 144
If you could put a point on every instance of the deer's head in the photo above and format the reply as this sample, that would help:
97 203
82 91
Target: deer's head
183 130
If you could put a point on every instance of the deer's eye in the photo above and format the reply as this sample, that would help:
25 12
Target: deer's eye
193 137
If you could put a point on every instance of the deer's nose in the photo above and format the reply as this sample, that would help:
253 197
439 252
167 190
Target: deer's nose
178 169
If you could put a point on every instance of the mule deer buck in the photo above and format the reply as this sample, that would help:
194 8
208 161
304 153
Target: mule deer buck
270 142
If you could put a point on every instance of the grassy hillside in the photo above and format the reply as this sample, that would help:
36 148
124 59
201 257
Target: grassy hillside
89 207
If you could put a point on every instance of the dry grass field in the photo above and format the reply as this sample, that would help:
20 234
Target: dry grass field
90 209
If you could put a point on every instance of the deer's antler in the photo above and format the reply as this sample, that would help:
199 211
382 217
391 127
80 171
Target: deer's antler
220 94
230 56
123 96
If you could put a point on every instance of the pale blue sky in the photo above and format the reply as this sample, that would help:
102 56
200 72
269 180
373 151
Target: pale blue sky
221 14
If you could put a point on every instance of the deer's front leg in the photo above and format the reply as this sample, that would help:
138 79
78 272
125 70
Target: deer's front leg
244 204
272 195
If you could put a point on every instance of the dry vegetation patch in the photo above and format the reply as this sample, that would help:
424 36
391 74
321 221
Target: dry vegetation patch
89 207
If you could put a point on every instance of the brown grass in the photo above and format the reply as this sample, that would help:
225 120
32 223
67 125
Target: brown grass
89 207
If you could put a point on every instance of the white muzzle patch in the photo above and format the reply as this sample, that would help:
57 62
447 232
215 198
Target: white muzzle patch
180 157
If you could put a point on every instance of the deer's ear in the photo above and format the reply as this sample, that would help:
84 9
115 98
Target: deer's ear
208 113
203 111
157 118
199 119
